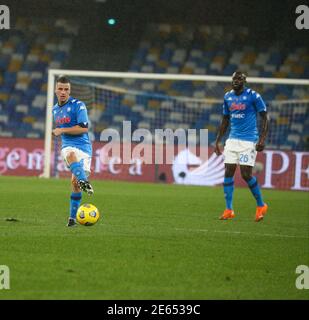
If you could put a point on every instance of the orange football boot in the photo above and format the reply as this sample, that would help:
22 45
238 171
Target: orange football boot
227 214
260 212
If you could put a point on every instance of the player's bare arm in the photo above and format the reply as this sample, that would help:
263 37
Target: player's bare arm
264 130
222 130
75 130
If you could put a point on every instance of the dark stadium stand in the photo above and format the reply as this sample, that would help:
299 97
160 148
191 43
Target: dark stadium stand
165 48
24 62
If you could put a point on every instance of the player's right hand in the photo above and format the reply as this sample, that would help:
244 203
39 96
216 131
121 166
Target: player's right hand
217 149
57 132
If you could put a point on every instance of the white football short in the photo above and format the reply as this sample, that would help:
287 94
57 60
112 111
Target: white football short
82 157
239 152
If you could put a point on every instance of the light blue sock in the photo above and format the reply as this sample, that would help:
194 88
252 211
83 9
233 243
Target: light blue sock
228 187
78 171
75 203
255 189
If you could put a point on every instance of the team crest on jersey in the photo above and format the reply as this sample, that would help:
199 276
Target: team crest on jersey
69 109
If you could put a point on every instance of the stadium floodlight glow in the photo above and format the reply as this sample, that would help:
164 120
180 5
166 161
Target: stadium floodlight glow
111 21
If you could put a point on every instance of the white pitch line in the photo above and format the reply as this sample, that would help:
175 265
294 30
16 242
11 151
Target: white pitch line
246 233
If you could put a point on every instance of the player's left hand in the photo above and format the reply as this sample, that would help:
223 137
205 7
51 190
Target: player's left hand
260 146
57 132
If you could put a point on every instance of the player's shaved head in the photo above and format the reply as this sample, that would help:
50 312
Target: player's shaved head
238 81
239 74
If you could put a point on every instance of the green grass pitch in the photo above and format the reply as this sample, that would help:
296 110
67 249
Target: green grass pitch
152 242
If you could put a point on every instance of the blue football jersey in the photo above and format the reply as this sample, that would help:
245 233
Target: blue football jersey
72 113
243 110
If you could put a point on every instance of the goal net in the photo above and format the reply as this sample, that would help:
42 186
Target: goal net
166 101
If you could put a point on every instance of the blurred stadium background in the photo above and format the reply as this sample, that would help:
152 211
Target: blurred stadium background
155 241
182 37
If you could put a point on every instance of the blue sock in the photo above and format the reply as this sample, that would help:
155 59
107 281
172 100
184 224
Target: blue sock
255 189
75 203
228 187
78 171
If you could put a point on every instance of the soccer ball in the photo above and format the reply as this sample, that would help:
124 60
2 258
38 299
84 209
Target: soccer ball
87 214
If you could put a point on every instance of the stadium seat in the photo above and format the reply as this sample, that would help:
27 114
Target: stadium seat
166 48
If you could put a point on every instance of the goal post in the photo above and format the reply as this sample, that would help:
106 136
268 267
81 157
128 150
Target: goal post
93 76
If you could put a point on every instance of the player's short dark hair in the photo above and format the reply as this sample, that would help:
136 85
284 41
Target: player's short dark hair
63 79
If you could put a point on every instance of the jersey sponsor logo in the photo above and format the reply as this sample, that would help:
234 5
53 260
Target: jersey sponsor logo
238 115
237 106
62 120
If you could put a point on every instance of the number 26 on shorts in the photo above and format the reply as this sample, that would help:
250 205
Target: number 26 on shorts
243 158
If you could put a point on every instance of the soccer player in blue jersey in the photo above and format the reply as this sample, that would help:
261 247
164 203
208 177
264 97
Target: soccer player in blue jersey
240 109
71 119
